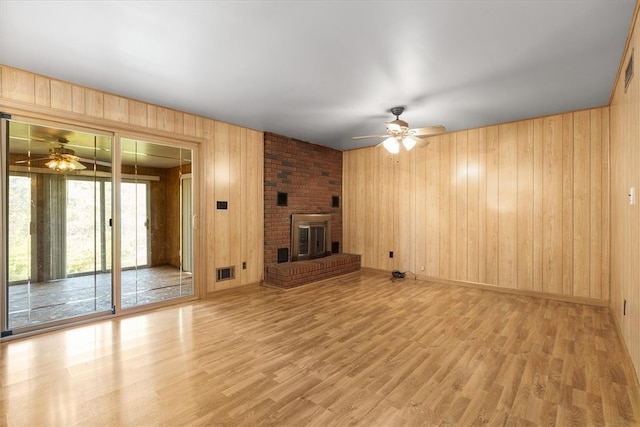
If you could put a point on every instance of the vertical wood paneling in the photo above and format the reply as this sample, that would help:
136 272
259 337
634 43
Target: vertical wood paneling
42 91
595 204
348 188
538 206
452 256
137 113
404 200
606 206
387 215
581 203
461 172
432 211
237 147
495 200
61 96
567 203
165 119
253 193
421 221
17 85
209 196
482 205
473 191
629 215
552 204
152 116
525 207
222 237
491 216
116 108
444 208
78 101
190 127
94 106
360 207
507 205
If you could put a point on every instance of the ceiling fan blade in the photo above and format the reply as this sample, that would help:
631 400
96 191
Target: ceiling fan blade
369 136
38 159
422 142
429 130
93 161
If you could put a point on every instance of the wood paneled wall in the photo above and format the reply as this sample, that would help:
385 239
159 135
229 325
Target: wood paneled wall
521 205
625 218
228 166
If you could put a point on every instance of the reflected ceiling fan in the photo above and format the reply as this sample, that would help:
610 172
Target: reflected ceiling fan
398 132
60 158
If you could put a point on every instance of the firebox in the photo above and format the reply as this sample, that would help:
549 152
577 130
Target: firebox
310 236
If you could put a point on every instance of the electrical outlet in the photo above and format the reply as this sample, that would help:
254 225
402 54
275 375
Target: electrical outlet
244 265
390 254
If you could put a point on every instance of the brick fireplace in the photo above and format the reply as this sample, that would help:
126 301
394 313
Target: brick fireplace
299 178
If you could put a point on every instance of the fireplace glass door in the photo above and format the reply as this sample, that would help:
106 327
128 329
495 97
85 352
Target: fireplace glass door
310 234
311 241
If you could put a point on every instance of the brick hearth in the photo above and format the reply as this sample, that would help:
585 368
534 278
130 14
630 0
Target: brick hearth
291 274
310 176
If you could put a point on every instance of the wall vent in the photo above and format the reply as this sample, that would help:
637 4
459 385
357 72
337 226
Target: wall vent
225 273
282 199
283 254
628 72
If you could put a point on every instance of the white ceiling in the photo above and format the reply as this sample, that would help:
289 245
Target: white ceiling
324 71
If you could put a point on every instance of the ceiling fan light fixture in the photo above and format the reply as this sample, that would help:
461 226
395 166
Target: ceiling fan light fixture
392 145
409 142
397 126
64 164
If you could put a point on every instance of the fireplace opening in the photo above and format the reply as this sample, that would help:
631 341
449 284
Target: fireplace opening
310 236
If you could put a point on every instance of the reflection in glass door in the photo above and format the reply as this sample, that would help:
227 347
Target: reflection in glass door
57 242
134 222
153 213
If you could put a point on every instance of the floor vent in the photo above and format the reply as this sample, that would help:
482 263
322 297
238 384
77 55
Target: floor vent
225 273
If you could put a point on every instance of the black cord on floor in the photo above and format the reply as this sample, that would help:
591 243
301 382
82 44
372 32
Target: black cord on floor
400 275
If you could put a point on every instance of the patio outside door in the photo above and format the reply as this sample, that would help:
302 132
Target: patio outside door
56 225
67 255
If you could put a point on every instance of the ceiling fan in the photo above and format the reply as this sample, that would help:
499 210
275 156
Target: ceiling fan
398 132
60 158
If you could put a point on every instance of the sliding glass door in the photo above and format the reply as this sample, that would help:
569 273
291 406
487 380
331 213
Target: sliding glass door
61 234
154 211
57 238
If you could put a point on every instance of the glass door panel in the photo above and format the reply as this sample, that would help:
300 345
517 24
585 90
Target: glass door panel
19 227
134 223
154 215
58 240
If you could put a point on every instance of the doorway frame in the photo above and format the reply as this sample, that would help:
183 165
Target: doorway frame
100 127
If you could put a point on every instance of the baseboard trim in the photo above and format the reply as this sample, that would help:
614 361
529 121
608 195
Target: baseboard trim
494 288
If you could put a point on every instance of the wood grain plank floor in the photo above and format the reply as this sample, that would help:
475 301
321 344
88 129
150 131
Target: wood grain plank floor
353 350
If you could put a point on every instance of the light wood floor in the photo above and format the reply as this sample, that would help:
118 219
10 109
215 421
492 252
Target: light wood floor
353 350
